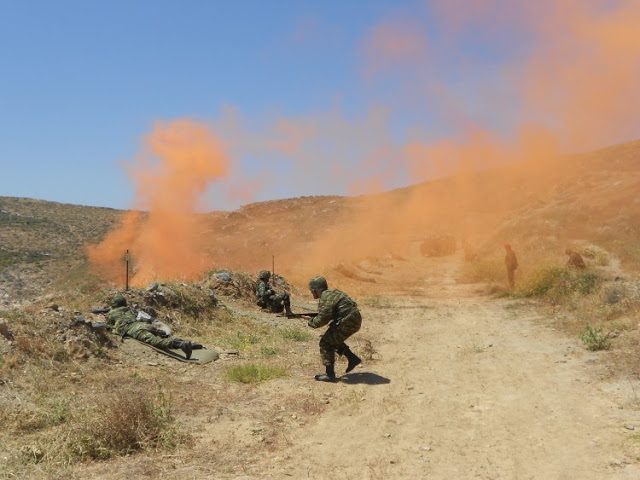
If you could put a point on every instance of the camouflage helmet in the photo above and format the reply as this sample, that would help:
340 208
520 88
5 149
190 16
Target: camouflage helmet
318 283
118 301
264 275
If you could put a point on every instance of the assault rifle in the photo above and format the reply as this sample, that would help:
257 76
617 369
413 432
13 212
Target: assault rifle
299 315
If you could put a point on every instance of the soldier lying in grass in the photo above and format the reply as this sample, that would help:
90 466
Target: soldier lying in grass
125 321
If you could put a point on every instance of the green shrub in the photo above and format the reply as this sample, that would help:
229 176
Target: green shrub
558 283
252 373
594 338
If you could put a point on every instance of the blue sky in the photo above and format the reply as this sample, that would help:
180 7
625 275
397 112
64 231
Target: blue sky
83 82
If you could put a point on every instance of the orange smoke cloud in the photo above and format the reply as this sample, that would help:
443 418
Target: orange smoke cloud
498 132
180 160
574 88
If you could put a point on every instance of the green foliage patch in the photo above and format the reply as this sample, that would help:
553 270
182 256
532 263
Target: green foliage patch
595 339
558 282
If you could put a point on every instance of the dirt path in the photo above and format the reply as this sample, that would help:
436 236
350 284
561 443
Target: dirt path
466 387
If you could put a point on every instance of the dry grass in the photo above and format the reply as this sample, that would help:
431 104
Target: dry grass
101 411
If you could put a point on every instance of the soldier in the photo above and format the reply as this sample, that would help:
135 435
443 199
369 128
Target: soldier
124 321
511 262
575 259
268 299
339 309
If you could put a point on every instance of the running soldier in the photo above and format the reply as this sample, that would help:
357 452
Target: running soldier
338 308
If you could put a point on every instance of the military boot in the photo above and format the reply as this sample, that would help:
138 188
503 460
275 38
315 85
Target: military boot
328 376
353 359
287 310
185 346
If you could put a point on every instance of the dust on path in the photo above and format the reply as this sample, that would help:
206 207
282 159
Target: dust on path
466 387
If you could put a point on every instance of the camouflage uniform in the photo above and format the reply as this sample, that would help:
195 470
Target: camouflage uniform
339 309
268 299
123 321
511 262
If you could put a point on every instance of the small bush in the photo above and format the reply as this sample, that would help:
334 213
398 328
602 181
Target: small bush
558 283
123 422
253 373
595 339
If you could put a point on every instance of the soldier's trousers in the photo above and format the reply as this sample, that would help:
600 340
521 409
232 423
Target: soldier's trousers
277 303
333 339
511 276
140 331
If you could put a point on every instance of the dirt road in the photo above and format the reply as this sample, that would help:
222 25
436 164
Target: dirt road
467 387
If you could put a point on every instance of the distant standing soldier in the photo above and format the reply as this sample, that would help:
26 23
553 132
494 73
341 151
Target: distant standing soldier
511 262
268 299
124 321
339 309
575 259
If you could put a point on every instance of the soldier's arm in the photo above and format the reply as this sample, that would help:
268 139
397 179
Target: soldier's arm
324 316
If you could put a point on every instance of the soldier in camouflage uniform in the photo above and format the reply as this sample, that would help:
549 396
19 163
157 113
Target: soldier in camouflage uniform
339 309
511 262
268 299
124 321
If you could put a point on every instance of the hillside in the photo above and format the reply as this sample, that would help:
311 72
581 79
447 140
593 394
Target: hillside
461 376
591 197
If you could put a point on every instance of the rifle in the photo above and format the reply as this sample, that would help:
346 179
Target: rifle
300 315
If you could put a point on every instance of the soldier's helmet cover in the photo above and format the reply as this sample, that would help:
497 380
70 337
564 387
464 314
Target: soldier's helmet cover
318 283
264 275
118 301
507 246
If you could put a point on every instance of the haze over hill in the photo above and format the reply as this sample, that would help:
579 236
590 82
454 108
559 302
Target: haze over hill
531 204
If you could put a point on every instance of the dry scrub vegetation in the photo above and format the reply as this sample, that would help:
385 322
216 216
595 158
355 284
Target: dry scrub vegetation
70 395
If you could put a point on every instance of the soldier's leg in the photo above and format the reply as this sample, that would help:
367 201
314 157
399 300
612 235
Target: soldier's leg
328 355
164 343
286 301
348 327
147 337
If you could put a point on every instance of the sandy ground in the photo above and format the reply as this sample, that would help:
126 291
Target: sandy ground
463 386
468 387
